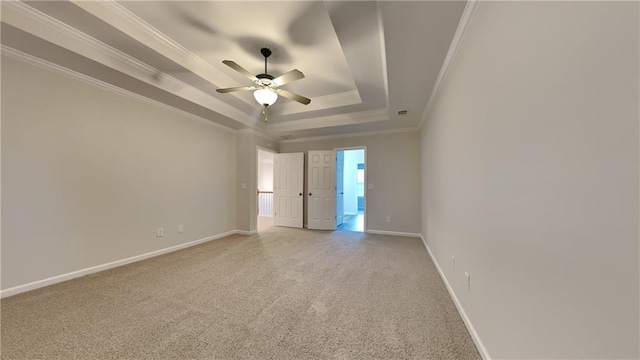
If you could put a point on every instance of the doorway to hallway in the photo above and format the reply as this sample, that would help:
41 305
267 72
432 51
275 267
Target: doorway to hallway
265 200
350 189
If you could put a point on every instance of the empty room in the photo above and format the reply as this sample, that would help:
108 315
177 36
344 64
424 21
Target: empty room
320 179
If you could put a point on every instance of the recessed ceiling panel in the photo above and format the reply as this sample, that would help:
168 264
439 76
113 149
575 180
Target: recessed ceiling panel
299 34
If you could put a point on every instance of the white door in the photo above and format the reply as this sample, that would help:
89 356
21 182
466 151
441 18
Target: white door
288 183
321 205
339 187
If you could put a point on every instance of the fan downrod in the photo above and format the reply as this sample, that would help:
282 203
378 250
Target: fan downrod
266 53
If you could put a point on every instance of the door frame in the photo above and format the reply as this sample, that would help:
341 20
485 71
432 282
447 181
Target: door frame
254 190
366 171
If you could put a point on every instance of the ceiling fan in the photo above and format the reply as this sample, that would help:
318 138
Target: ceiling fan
266 88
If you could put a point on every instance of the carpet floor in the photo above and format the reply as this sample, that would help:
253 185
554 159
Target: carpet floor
281 294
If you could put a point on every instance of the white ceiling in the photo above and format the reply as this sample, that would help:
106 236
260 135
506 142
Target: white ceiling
363 60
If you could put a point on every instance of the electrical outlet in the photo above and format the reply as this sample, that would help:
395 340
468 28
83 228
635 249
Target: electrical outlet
453 263
180 228
468 281
160 232
388 218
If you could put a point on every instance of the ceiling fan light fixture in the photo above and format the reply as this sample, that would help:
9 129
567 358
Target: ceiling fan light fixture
265 97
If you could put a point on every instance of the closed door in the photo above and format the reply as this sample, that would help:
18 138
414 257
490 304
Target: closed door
321 206
288 183
339 187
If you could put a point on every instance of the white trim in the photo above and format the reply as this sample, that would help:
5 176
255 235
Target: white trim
392 233
74 75
366 166
467 322
259 133
90 270
358 117
63 28
383 54
245 232
48 28
321 103
463 26
348 135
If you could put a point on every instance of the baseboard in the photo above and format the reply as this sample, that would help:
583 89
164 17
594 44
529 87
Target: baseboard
467 322
245 232
90 270
393 233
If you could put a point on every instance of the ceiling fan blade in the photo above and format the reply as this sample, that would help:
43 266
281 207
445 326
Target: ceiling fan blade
292 75
238 88
240 69
294 97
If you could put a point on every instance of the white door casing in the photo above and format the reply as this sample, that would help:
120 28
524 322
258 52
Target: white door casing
288 188
321 206
339 187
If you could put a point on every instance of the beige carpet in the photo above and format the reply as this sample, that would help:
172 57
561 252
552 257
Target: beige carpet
283 294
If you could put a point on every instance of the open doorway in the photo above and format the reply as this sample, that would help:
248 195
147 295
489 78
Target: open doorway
350 189
264 201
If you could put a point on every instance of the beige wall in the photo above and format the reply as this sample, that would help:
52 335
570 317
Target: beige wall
530 160
393 167
88 176
247 173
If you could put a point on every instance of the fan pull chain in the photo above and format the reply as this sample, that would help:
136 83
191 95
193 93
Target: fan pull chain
264 112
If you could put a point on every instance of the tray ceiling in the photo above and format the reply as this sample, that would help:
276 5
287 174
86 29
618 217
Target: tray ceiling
363 60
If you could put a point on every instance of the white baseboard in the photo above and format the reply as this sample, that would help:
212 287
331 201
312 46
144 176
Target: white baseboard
393 233
90 270
467 322
245 232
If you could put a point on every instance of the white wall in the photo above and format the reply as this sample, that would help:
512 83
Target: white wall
351 160
530 158
393 167
88 176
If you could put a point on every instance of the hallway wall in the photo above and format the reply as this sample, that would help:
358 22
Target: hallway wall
530 160
388 155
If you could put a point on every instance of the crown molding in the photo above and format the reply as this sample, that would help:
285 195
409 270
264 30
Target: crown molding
383 54
462 29
74 75
319 102
349 135
332 120
322 103
52 23
122 18
258 133
126 21
39 24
